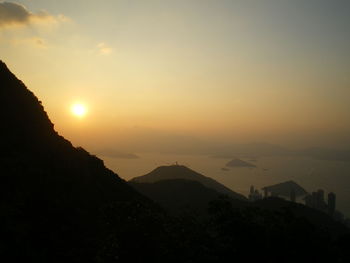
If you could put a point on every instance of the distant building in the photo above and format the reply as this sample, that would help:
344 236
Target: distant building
251 189
254 194
331 203
320 195
266 193
308 201
320 202
317 201
314 200
258 195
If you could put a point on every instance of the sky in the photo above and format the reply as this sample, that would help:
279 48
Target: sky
185 73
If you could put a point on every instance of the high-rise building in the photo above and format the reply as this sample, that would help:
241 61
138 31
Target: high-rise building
319 200
257 195
308 200
314 200
331 203
266 193
254 194
251 189
320 196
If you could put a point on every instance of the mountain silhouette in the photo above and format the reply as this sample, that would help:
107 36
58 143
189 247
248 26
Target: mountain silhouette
57 201
183 172
180 196
285 188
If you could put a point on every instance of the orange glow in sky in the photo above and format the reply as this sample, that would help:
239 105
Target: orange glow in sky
79 110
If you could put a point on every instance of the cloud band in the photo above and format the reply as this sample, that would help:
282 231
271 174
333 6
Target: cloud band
12 14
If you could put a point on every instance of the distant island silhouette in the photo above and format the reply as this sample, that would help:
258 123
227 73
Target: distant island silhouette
239 163
253 151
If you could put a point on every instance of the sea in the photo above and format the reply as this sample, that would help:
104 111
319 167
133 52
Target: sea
311 174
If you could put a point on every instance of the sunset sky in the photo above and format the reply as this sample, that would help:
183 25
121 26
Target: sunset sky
186 70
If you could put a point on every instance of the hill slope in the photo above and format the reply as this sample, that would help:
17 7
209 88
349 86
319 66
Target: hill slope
182 172
180 196
56 201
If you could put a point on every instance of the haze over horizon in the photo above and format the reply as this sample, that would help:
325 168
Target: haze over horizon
156 74
175 131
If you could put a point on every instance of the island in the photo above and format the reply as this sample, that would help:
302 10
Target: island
239 163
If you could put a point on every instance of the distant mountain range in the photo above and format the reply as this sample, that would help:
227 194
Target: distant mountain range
327 154
254 150
249 150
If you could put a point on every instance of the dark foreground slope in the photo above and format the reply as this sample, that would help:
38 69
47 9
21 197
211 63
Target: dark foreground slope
275 230
57 202
182 172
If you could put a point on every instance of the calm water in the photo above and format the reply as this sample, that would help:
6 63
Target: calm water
309 173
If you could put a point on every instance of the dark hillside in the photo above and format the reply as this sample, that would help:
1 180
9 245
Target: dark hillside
180 196
183 172
56 200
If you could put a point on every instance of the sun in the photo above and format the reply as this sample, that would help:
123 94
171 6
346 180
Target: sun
79 109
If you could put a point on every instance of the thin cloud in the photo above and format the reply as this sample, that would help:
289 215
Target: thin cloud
36 42
104 49
13 14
